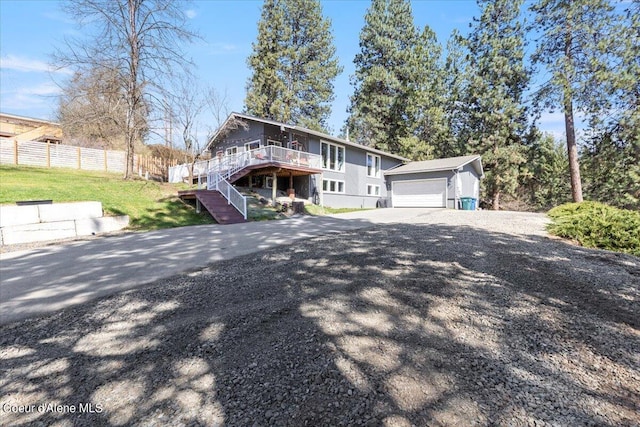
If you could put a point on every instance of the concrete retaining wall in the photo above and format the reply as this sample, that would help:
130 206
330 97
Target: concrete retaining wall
25 224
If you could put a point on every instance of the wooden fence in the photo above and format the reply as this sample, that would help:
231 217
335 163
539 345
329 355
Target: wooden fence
33 153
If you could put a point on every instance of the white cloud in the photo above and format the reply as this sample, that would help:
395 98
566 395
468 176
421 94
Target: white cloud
33 97
190 13
27 65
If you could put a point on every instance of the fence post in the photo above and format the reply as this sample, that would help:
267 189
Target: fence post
48 155
79 159
105 160
15 151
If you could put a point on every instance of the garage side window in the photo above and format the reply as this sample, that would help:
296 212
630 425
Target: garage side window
332 156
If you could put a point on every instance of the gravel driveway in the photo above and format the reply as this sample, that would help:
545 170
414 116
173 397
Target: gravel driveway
457 318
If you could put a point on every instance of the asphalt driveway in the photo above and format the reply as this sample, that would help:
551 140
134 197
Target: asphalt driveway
48 278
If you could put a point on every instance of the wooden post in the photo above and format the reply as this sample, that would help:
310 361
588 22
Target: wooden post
105 160
15 151
48 155
79 159
274 186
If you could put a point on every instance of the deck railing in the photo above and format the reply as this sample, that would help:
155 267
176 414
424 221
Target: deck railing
215 181
230 164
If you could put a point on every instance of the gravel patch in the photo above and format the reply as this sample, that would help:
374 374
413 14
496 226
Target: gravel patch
457 318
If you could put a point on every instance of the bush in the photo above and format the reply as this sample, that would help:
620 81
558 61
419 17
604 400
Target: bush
597 225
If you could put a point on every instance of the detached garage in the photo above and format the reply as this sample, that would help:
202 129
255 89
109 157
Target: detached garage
439 183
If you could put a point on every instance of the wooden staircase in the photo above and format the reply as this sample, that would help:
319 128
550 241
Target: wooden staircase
215 204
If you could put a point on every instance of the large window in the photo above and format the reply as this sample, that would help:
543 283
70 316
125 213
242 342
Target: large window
332 186
373 190
373 165
232 150
332 156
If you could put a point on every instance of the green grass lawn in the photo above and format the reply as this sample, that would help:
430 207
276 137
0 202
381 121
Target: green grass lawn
150 205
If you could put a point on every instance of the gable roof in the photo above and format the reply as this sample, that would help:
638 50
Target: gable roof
447 164
234 116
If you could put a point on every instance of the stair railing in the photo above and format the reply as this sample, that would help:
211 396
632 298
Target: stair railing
216 181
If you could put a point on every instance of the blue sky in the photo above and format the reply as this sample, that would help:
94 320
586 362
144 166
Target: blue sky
30 31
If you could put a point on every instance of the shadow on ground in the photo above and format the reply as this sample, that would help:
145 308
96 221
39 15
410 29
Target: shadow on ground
392 325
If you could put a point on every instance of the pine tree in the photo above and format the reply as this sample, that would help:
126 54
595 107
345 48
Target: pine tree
455 80
426 100
294 64
568 47
265 89
378 110
547 163
497 117
612 155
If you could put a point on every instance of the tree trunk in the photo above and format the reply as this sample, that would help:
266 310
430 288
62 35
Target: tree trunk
572 148
495 205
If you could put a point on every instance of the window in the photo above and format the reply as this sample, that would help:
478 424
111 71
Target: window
248 146
332 156
273 142
332 186
232 150
373 190
373 165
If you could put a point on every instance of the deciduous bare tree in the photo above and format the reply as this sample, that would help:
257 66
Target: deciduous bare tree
137 41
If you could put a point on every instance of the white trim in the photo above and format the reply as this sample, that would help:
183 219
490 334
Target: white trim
373 187
338 147
274 142
337 182
376 173
394 196
247 145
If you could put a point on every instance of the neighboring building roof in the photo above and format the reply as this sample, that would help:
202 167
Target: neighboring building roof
24 128
12 118
324 136
436 165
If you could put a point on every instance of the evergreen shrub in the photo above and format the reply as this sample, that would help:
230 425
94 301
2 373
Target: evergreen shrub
597 225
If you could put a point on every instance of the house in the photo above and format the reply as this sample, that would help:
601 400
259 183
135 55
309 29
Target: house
285 159
339 173
22 129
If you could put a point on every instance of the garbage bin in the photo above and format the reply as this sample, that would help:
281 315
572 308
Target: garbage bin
467 203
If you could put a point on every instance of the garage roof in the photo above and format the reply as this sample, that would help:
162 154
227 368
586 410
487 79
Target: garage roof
436 165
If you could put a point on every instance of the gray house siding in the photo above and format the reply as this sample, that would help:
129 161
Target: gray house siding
354 177
238 137
470 183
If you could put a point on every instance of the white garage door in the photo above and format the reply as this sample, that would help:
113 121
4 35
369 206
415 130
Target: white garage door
420 193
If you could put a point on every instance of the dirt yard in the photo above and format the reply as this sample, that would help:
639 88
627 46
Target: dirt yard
453 319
